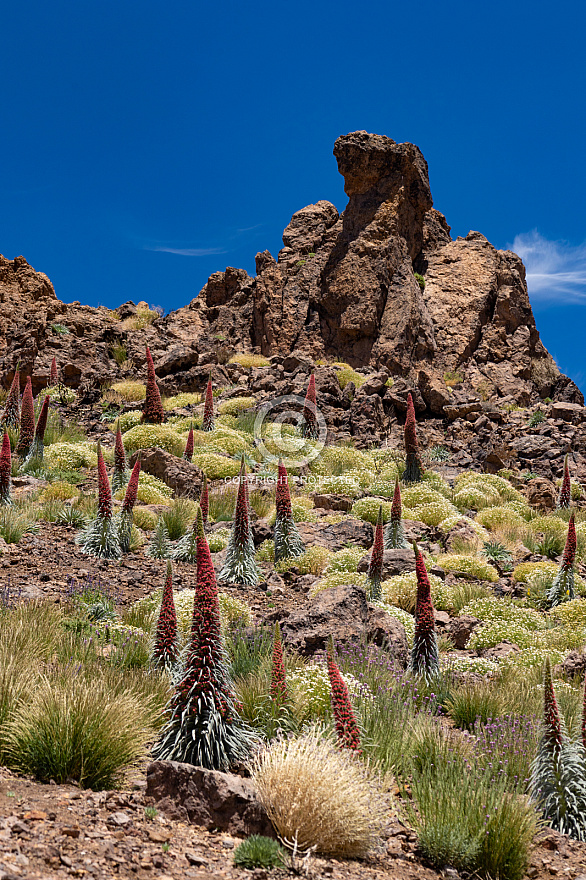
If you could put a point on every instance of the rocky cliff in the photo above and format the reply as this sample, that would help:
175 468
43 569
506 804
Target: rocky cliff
343 288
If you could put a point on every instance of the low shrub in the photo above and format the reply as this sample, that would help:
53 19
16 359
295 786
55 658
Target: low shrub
144 519
71 456
215 467
259 852
319 795
143 436
367 509
179 401
244 359
235 406
130 391
468 565
60 490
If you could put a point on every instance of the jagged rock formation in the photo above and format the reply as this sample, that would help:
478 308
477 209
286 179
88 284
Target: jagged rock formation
342 288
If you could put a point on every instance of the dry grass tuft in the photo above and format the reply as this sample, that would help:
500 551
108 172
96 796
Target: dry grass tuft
320 795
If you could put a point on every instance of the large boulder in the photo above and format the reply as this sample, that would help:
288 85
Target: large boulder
218 801
185 478
344 613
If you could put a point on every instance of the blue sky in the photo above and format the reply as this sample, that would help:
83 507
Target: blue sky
146 145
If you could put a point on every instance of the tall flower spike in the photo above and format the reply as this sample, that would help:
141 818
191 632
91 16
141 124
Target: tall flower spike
565 496
165 651
120 473
346 726
100 537
54 375
288 541
188 454
558 773
240 566
394 531
424 661
278 677
413 465
562 588
208 409
124 521
153 412
159 546
36 451
204 728
11 415
5 470
204 499
375 567
310 425
27 421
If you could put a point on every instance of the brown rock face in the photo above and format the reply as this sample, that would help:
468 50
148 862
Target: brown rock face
342 288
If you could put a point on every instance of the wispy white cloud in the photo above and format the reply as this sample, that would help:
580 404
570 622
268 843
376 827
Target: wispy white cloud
556 270
187 252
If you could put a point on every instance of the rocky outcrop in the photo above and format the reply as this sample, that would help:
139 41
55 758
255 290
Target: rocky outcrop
343 287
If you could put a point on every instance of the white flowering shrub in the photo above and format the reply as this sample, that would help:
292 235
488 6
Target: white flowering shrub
336 460
492 634
495 517
345 560
437 482
312 561
143 436
130 391
236 405
127 421
520 507
572 613
462 663
530 657
550 525
522 572
367 509
472 497
266 551
61 490
492 610
488 482
214 466
60 393
401 591
71 456
338 579
299 511
470 565
343 485
178 401
313 683
219 540
433 513
380 486
150 490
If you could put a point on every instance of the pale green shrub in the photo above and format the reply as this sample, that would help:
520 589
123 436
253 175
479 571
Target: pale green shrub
143 436
236 405
470 565
71 456
345 560
367 509
127 420
219 540
130 391
216 467
179 401
338 579
493 610
498 517
144 519
244 359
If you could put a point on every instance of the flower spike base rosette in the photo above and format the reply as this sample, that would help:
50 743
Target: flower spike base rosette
124 519
562 588
558 773
165 653
413 466
394 531
346 726
424 660
160 546
11 414
240 566
375 567
565 497
36 451
288 541
310 428
27 421
5 471
153 412
120 474
204 728
100 537
208 409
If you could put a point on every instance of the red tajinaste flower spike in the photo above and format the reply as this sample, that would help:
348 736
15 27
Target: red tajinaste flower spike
570 548
132 489
153 412
394 532
42 420
240 566
346 726
104 492
5 469
54 375
566 489
282 494
188 454
375 567
27 420
413 465
424 659
166 648
119 451
396 506
310 424
551 715
288 541
11 414
279 692
208 409
204 499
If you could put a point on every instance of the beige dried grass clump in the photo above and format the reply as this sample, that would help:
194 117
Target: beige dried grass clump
320 796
